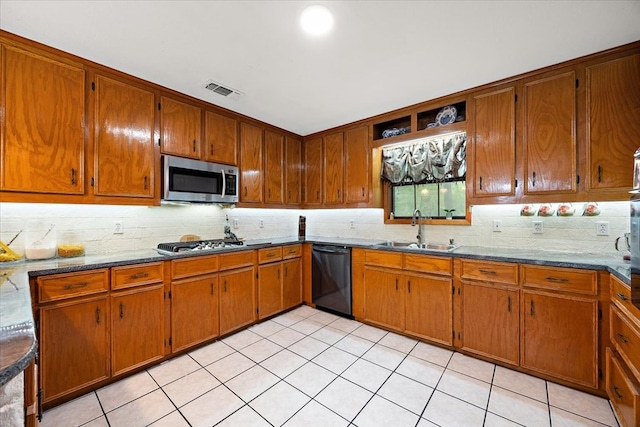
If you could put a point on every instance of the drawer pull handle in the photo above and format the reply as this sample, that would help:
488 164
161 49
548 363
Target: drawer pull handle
396 283
278 273
212 288
211 146
409 286
146 182
98 315
480 183
286 271
491 272
532 309
616 391
533 181
622 338
225 286
557 279
271 254
73 176
139 275
122 310
509 304
75 285
623 297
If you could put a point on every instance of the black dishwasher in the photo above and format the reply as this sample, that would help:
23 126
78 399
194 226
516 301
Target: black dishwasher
331 278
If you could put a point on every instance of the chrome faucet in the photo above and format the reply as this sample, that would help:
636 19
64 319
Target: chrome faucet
417 214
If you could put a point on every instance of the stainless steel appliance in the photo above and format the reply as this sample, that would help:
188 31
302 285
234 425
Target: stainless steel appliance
173 248
634 235
331 278
188 180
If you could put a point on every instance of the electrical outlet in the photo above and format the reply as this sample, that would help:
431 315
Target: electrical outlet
602 228
236 223
537 227
352 224
261 223
118 227
497 225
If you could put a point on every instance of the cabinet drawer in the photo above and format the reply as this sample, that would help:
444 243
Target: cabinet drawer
235 260
187 267
382 258
626 338
621 296
293 251
269 254
490 271
623 392
61 286
428 264
564 279
136 275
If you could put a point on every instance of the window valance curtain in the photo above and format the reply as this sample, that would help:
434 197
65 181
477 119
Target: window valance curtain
433 159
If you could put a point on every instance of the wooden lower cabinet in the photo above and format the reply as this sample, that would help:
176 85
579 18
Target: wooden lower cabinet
623 390
194 311
384 297
292 283
428 307
269 289
137 319
237 299
490 321
74 346
560 336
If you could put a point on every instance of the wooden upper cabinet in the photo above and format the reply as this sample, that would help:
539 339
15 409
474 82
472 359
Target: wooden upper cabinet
220 139
180 128
273 167
613 129
333 168
43 142
251 168
494 141
124 129
357 172
313 171
293 170
549 133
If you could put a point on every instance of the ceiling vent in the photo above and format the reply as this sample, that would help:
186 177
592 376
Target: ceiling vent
222 90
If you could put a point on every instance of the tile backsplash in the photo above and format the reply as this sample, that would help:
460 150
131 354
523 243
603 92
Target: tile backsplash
145 227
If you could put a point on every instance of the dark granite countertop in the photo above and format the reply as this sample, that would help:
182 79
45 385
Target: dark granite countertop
18 345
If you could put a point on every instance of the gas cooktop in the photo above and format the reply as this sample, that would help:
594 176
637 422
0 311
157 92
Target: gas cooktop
198 245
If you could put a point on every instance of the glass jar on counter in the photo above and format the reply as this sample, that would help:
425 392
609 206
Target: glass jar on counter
69 245
39 240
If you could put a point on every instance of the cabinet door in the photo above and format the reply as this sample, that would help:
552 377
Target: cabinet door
560 336
180 127
221 139
384 298
237 299
549 135
428 305
293 153
494 141
74 346
292 283
269 289
490 321
273 167
44 121
124 126
194 311
333 168
357 173
251 172
137 332
313 171
613 130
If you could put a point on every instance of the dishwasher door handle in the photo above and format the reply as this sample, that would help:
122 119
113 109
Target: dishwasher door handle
330 250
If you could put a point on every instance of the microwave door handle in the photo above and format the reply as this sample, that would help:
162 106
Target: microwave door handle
224 184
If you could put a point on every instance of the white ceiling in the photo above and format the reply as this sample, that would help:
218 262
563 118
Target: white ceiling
381 55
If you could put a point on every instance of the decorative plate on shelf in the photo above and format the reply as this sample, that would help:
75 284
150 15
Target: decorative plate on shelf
446 116
591 209
545 210
566 209
528 210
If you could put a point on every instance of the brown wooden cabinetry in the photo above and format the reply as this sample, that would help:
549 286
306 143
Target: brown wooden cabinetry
313 176
333 168
274 167
293 171
292 281
357 165
180 128
279 279
43 123
124 158
237 290
251 167
220 139
384 297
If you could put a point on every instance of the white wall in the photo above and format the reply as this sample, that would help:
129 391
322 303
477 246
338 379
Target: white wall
145 227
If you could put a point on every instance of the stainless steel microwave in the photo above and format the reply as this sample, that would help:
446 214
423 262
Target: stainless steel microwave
188 180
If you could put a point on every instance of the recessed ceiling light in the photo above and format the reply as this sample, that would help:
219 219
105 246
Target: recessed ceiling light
316 20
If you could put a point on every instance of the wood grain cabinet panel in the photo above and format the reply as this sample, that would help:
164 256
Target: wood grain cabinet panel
63 286
625 337
384 298
357 165
333 168
194 311
237 299
291 283
293 171
74 346
549 135
43 144
274 167
220 139
180 128
624 391
493 142
269 289
251 167
428 307
313 176
128 276
124 147
613 132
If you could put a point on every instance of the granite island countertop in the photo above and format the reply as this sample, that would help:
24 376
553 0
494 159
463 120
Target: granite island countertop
18 344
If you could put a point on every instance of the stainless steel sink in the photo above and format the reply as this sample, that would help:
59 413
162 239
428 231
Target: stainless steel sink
437 247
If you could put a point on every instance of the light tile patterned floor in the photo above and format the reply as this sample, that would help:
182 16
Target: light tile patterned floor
310 368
